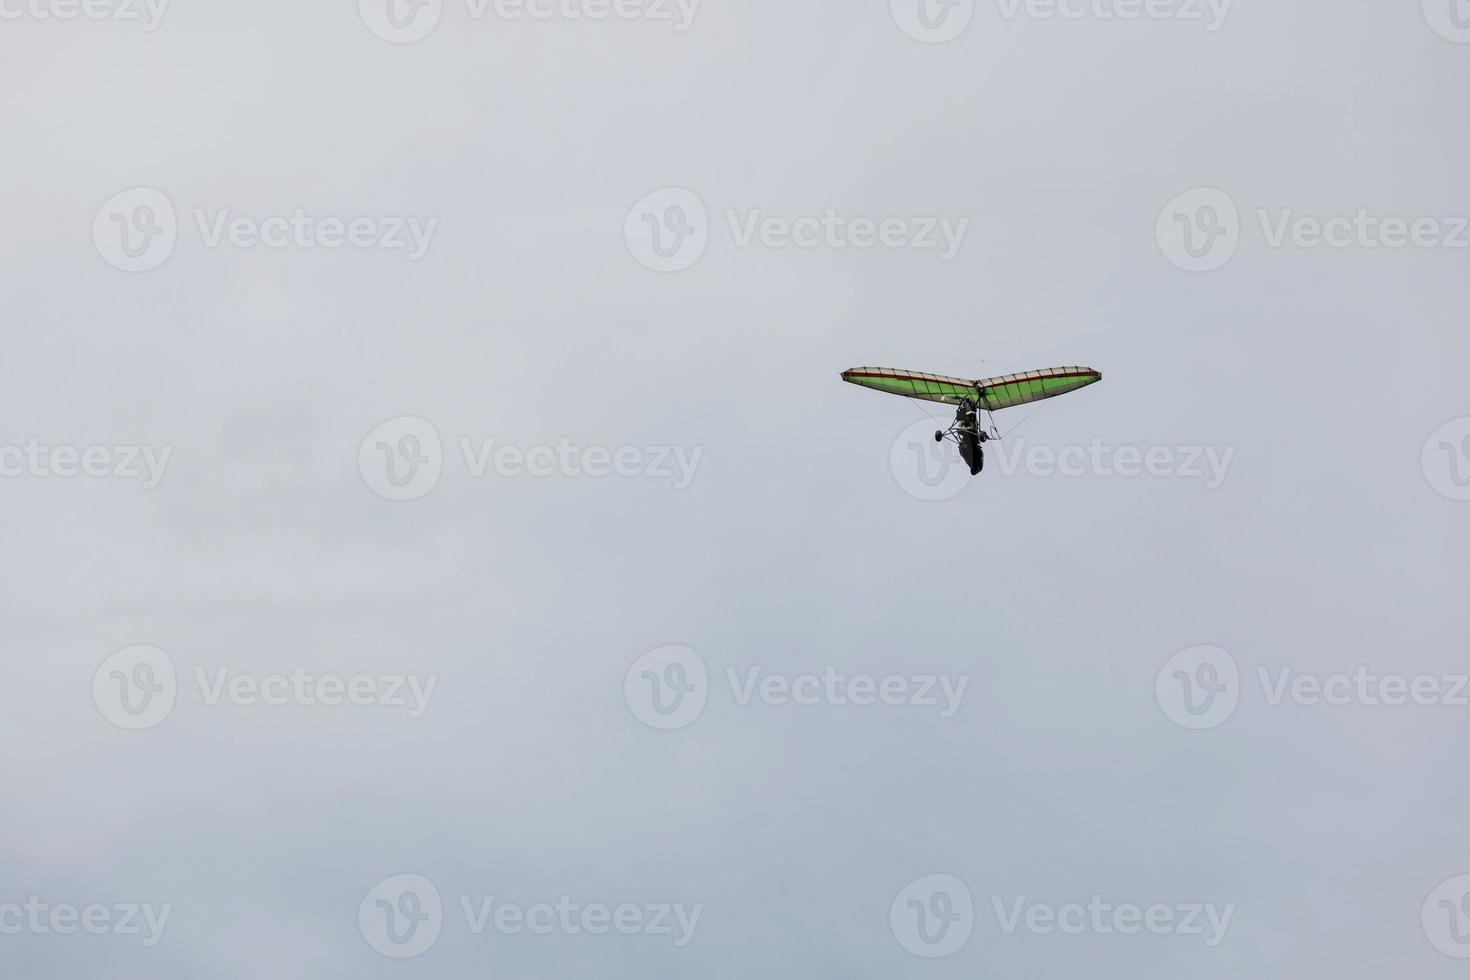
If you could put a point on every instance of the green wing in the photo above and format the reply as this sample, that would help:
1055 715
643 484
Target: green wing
913 384
989 393
1010 390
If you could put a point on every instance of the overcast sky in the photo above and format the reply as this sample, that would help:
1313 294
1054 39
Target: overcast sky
482 368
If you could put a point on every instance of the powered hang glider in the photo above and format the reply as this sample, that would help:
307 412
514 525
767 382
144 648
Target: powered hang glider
973 397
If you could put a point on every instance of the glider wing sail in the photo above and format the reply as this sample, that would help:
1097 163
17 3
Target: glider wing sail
913 384
990 394
1010 390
